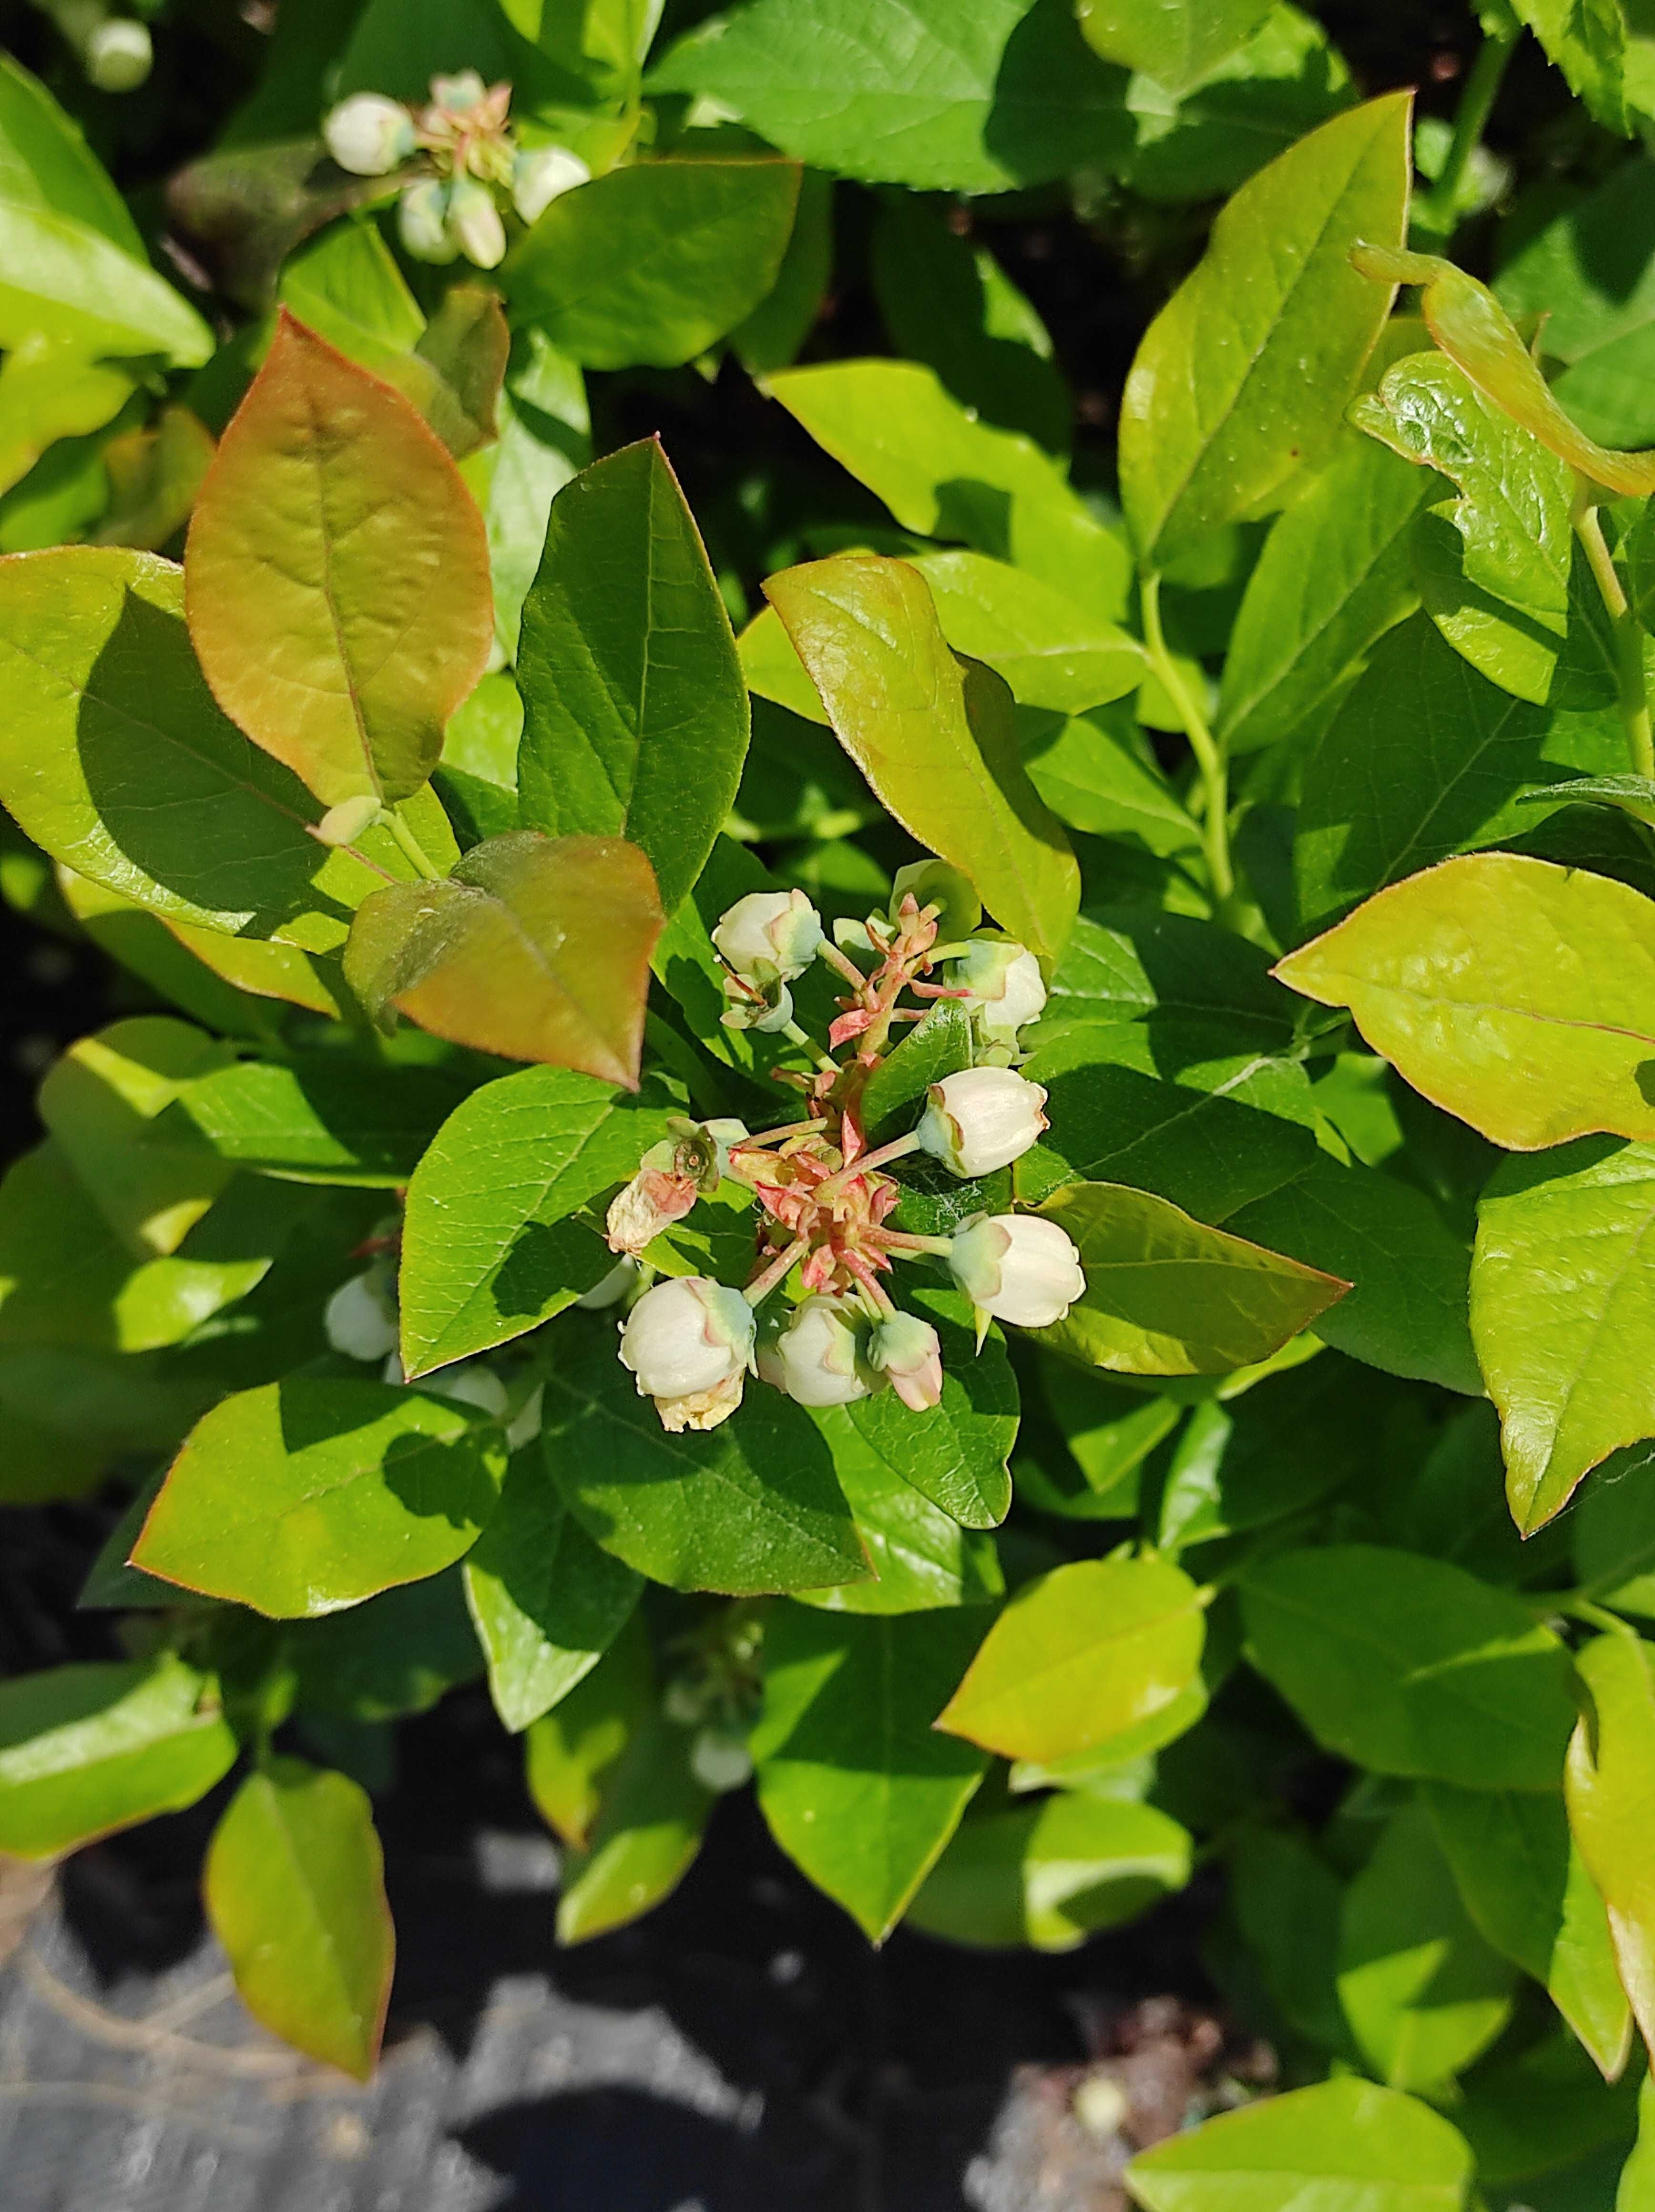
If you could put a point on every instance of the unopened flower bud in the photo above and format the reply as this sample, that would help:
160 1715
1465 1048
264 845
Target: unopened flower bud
457 93
623 1278
118 56
344 824
817 1358
542 175
981 1119
1007 988
422 222
361 1317
473 1384
769 934
1020 1267
720 1762
474 221
688 1337
908 1353
369 134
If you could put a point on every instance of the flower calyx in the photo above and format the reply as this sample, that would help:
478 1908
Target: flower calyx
688 1164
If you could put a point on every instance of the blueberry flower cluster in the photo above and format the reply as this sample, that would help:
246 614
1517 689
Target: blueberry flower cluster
467 162
822 1195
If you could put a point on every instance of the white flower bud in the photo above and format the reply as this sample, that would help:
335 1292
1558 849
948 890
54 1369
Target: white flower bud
981 1119
529 1422
623 1277
473 1384
685 1337
457 93
770 933
908 1353
361 1317
1006 986
369 134
422 222
474 221
543 175
817 1358
118 56
1020 1267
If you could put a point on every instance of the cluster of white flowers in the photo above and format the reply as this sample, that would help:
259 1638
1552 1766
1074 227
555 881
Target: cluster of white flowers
821 1194
468 157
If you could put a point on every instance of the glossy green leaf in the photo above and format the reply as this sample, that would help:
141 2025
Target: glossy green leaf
1410 1666
394 1654
646 1835
772 334
933 737
857 1786
535 948
1080 1655
922 1558
305 1496
944 474
49 389
98 668
85 1750
1526 1887
1050 1874
567 1751
491 1246
1165 1295
1007 95
747 1507
1560 1313
1518 995
545 440
1637 2191
652 264
1287 1901
338 576
1243 376
955 1452
46 163
1335 575
1425 758
1095 773
1590 45
1177 42
294 1889
547 1603
1609 1788
1349 2144
1052 651
892 1097
320 1117
1613 1533
635 714
1424 1994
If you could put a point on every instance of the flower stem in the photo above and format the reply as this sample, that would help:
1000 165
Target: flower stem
1437 217
1209 757
410 844
898 1149
1628 639
795 1035
841 963
899 1239
761 1284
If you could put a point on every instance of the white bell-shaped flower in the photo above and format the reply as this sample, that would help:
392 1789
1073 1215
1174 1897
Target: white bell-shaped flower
686 1336
361 1317
474 221
1006 986
981 1119
1020 1267
817 1359
769 934
368 134
908 1353
118 55
543 174
422 222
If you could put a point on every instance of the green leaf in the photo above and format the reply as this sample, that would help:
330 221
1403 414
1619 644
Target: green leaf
653 263
304 1496
857 1788
1165 1295
938 1046
1333 576
922 1558
547 1603
635 714
747 1507
1561 1315
1637 2190
294 1888
1494 964
644 1838
1613 1533
535 948
394 1654
1095 773
1243 376
934 737
49 389
1080 1655
944 474
568 1752
46 163
1424 1996
1050 1874
337 575
1177 42
1006 95
318 1117
947 302
99 671
955 1452
771 335
1607 1787
1051 651
490 1247
1588 41
1349 2144
1527 1890
545 440
1425 758
85 1750
1287 1901
1410 1666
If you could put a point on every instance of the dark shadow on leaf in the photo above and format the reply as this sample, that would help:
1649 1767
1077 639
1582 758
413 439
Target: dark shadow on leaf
546 1259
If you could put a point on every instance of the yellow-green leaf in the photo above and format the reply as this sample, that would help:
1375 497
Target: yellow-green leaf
1609 1785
